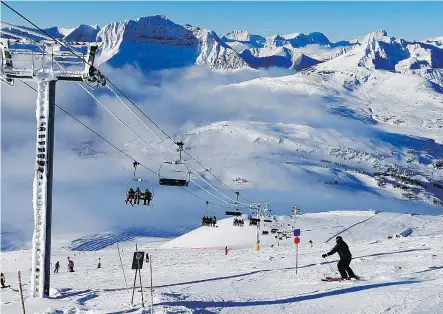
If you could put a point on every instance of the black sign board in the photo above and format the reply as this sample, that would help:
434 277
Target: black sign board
137 260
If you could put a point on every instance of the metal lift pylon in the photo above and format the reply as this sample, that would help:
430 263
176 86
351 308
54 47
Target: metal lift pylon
44 56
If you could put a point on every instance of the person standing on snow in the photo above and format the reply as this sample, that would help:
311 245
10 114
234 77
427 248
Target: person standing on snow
345 258
71 266
226 250
57 266
2 279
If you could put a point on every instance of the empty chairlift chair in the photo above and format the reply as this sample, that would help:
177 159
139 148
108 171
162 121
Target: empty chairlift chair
174 173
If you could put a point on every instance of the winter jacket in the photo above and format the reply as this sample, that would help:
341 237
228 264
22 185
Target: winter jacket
342 249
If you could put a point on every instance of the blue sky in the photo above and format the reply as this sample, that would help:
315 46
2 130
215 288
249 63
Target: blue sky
338 20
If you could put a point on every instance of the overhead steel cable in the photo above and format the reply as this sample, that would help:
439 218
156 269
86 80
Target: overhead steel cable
121 92
122 151
172 151
138 136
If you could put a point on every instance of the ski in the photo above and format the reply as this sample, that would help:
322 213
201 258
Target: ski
331 279
341 279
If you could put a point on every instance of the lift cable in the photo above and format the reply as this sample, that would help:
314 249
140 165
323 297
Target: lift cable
122 151
125 96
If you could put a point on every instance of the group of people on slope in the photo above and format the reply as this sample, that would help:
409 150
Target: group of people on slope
71 265
138 195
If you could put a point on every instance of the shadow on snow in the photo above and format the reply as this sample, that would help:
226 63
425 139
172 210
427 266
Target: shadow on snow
210 304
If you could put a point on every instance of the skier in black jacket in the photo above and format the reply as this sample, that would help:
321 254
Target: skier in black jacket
345 258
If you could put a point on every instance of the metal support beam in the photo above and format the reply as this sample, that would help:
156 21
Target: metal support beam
46 77
42 194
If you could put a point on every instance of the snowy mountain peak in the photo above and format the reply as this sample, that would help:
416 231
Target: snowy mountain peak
301 40
239 35
377 35
86 33
155 42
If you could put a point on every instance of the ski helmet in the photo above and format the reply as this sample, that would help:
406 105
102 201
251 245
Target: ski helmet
338 238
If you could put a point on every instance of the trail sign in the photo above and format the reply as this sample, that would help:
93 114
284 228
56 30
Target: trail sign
297 240
296 232
137 260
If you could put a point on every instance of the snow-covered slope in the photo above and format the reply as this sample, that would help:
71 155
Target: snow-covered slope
319 227
401 276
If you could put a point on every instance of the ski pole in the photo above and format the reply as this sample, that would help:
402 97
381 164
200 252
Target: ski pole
327 262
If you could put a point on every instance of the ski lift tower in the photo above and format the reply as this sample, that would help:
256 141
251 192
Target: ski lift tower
28 55
256 210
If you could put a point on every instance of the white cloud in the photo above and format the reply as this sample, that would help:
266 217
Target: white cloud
89 192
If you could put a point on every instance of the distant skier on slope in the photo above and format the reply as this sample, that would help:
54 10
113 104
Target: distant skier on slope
70 266
345 258
57 267
2 279
226 250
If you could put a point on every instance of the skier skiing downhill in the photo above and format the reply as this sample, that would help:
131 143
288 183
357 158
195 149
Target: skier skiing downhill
345 259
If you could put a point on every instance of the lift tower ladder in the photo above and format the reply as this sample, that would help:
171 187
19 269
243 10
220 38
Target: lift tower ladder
39 60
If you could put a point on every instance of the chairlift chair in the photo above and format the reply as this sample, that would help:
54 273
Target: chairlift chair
233 213
174 173
142 184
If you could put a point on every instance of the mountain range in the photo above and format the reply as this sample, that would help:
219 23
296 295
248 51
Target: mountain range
155 43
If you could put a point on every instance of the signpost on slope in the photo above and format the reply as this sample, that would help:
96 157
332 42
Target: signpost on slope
296 241
137 264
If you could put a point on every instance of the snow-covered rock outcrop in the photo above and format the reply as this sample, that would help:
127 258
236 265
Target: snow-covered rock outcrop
155 42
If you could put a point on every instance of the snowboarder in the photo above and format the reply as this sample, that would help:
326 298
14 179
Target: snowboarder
57 266
70 266
148 197
99 263
345 258
137 195
226 250
214 221
311 243
2 279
